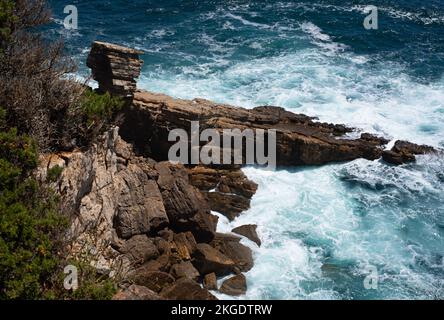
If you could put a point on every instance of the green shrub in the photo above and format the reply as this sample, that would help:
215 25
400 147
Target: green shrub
7 19
29 222
100 107
54 173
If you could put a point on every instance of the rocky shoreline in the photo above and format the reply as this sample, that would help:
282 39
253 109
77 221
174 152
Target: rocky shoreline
147 222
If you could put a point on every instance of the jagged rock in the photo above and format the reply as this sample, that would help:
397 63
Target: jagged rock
115 68
185 269
248 231
135 292
186 289
185 205
404 152
149 215
230 246
300 139
140 248
210 281
162 263
235 286
185 245
153 280
208 260
228 191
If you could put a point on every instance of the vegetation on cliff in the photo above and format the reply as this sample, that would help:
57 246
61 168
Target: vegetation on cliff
42 110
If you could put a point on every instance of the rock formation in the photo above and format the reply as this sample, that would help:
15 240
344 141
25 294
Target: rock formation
300 139
144 221
140 218
248 231
404 152
234 286
115 68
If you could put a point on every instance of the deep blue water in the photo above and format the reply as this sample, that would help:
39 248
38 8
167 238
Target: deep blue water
322 228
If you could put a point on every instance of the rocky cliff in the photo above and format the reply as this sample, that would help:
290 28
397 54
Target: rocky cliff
148 222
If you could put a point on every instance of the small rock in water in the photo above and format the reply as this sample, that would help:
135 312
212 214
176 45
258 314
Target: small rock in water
248 231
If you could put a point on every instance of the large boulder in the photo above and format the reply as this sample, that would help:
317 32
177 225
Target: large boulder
153 280
135 292
186 289
140 249
185 269
184 245
234 286
228 191
210 281
186 207
149 215
230 247
208 259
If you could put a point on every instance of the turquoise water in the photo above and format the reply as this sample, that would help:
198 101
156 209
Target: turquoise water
322 227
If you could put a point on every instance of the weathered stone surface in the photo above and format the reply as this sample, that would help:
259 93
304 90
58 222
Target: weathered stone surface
404 152
184 244
235 286
162 263
185 269
241 255
300 139
149 214
228 191
248 231
185 205
115 68
186 289
111 193
153 280
140 249
210 281
135 292
208 260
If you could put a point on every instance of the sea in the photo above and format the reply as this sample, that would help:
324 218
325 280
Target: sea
356 230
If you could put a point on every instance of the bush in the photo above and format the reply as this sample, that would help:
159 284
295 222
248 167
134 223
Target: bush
44 110
54 173
29 222
97 113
